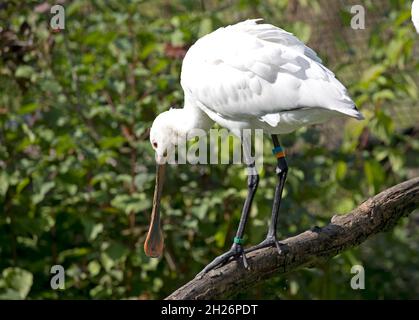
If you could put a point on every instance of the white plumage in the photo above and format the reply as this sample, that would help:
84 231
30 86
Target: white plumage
261 75
252 76
415 14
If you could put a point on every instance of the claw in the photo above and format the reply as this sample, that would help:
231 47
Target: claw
278 247
235 252
244 260
268 242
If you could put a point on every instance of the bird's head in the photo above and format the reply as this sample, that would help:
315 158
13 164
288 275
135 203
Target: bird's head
163 138
163 135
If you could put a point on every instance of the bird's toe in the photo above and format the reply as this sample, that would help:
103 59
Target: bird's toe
268 242
236 251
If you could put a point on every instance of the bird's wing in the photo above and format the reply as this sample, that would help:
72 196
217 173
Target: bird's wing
415 14
256 70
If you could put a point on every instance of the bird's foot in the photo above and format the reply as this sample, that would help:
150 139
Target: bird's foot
270 241
236 251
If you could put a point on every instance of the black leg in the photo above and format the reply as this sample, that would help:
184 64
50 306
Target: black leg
237 247
281 171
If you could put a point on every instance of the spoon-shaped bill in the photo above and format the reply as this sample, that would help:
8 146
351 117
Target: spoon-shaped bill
154 242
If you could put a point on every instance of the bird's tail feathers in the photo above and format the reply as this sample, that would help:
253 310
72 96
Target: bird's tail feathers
351 111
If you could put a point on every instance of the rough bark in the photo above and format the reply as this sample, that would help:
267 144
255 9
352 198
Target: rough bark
379 213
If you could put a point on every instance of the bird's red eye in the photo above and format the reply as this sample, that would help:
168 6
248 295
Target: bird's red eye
155 145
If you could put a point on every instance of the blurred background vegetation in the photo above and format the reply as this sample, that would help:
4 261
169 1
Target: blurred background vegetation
77 170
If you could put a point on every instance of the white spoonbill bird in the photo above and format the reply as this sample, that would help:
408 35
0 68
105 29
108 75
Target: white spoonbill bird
415 14
247 76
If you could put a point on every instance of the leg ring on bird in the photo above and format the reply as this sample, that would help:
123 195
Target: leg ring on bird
238 240
278 152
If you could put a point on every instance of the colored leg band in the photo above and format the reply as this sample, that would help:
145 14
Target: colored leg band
238 240
278 152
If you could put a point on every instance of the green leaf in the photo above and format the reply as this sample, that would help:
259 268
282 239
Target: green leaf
205 27
371 74
375 175
22 184
28 108
24 71
112 142
341 169
45 188
94 268
18 282
116 251
4 183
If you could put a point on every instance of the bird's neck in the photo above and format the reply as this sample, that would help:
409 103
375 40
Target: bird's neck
190 120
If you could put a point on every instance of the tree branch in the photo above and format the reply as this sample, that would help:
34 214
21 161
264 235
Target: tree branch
379 213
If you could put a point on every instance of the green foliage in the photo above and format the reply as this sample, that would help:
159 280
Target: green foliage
15 283
77 170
